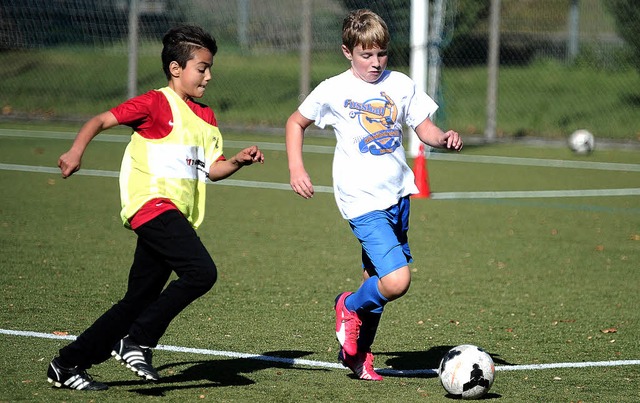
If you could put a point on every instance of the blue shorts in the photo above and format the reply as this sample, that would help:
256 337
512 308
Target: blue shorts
383 236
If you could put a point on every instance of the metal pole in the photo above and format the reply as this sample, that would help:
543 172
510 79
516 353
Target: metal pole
418 62
243 23
574 17
305 51
434 49
493 62
132 84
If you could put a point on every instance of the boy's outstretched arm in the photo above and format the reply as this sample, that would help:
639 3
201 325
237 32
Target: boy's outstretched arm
294 136
70 161
432 135
225 168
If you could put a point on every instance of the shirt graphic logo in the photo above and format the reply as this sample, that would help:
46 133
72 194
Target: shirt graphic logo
377 117
198 164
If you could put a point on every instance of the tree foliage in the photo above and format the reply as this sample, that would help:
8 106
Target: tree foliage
627 16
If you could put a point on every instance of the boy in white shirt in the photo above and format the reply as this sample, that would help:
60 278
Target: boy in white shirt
367 106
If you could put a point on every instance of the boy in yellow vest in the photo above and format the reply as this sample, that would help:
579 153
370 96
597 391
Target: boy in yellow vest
174 148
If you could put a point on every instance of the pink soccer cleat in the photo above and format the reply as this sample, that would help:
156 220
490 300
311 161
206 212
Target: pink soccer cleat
347 326
361 364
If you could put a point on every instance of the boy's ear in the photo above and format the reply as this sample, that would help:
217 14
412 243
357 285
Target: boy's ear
346 52
175 69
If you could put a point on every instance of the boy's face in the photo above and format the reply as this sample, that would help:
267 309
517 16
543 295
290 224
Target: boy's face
192 80
367 64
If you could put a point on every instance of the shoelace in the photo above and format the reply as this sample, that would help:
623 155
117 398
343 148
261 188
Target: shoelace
352 332
83 373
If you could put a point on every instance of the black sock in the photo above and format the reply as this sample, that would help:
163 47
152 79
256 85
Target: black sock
368 329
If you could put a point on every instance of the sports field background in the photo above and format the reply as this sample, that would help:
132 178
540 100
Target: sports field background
66 61
531 254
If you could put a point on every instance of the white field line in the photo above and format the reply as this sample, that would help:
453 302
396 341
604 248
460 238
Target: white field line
483 159
329 189
329 150
536 194
323 364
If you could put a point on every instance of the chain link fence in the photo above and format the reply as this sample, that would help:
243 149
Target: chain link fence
562 66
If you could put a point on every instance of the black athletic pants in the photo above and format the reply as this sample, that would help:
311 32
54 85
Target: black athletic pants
165 244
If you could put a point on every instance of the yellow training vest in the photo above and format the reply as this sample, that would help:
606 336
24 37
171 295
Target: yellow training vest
174 167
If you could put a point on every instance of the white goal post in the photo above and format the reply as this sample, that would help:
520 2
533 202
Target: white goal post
418 61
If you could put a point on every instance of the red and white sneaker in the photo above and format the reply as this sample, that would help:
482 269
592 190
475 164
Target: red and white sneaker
347 325
361 364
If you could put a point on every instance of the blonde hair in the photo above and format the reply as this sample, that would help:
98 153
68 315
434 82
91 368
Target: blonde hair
365 28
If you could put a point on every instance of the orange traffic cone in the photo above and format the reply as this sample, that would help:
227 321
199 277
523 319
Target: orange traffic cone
422 177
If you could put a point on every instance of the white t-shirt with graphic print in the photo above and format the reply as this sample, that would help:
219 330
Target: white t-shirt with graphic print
370 170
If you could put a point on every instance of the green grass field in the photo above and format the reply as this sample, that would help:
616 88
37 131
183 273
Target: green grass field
533 279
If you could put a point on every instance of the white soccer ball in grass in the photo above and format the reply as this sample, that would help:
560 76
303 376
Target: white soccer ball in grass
582 142
467 371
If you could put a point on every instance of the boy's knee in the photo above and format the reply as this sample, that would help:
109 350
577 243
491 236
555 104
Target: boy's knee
206 277
395 284
394 290
211 276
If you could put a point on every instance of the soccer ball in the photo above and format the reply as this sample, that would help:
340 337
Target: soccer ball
467 371
581 142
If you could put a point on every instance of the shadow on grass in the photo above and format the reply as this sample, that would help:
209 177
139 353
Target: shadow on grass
214 373
487 396
422 361
230 372
424 364
417 360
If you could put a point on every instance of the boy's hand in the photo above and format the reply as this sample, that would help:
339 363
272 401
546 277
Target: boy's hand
249 156
301 183
69 163
452 140
224 168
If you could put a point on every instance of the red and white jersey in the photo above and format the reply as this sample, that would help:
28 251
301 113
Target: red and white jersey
149 114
